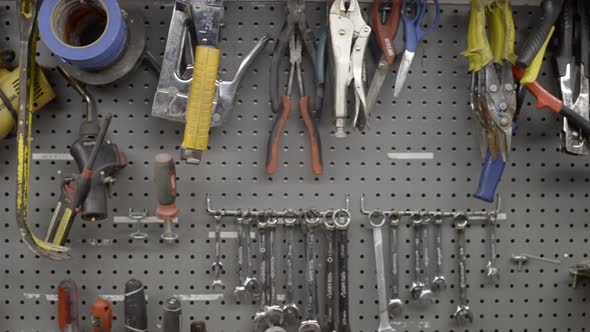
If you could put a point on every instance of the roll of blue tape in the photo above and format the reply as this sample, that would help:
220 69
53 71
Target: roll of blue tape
55 17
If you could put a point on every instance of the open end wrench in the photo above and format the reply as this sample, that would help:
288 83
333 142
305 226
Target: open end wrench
290 310
342 219
426 296
377 220
395 304
417 285
492 272
463 315
274 313
217 265
311 324
438 283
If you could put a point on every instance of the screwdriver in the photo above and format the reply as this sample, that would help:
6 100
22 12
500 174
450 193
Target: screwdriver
101 316
73 194
135 308
172 316
165 180
67 304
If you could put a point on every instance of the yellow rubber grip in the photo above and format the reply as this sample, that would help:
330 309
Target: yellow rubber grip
532 72
478 50
501 31
200 101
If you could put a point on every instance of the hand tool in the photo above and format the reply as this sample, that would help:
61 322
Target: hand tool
493 98
274 312
172 318
165 181
329 321
311 323
240 290
534 43
395 304
261 322
73 193
274 141
217 266
198 327
580 270
417 284
438 283
138 216
290 310
27 16
384 34
413 18
341 219
546 99
349 35
321 68
135 307
377 220
426 296
109 161
492 272
101 316
463 315
251 284
572 140
67 304
295 28
522 259
206 17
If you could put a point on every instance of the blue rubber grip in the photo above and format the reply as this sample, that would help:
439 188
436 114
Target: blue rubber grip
320 67
491 174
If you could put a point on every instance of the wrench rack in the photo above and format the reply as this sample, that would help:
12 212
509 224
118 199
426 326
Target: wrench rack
544 192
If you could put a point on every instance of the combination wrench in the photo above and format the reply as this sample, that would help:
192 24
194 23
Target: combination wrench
274 313
251 284
395 304
290 310
463 315
438 282
492 272
261 322
341 220
311 324
240 290
426 296
417 285
331 271
377 220
217 265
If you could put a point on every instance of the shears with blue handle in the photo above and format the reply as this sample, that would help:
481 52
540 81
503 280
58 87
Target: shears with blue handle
413 22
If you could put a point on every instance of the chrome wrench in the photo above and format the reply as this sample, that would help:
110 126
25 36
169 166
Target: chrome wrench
274 313
426 296
341 222
395 304
311 324
217 265
240 290
439 282
417 285
251 284
331 273
463 315
492 273
290 310
261 322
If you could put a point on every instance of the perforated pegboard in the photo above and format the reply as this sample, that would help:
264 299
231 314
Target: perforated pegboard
544 191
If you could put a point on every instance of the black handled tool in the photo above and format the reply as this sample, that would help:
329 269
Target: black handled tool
73 193
198 326
135 308
172 316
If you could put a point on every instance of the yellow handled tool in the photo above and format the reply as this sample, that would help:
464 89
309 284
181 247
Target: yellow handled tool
501 32
206 16
478 50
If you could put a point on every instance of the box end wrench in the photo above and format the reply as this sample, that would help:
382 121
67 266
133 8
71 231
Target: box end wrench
311 324
290 309
329 322
426 296
217 266
438 282
395 304
417 284
240 290
463 315
377 220
492 272
274 312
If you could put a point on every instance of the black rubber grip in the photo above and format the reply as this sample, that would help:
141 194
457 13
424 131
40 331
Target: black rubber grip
584 34
172 315
532 46
135 307
576 119
165 179
277 55
199 326
564 53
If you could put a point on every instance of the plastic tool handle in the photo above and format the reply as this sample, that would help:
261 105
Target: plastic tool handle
165 181
200 104
564 53
102 316
384 33
532 71
198 327
172 316
584 35
478 51
315 144
274 141
135 308
533 44
277 55
67 304
490 177
501 31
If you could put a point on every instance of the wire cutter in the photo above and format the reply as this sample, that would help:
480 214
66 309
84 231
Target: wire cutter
385 31
272 154
413 19
572 140
349 35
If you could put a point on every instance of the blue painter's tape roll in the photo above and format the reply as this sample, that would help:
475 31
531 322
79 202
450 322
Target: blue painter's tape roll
56 18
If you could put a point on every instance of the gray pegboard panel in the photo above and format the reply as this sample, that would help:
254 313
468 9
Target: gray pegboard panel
544 191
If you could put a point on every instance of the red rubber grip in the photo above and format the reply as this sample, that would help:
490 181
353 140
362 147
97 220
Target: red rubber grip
274 141
314 137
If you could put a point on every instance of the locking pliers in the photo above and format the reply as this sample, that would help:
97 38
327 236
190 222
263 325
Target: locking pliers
350 34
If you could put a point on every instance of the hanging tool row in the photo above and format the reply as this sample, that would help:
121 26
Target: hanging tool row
135 315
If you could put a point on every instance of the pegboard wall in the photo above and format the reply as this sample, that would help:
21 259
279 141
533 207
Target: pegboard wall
544 192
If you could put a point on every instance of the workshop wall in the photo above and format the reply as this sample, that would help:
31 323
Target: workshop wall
545 192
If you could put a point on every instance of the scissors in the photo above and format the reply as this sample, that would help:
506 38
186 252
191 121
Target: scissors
413 22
